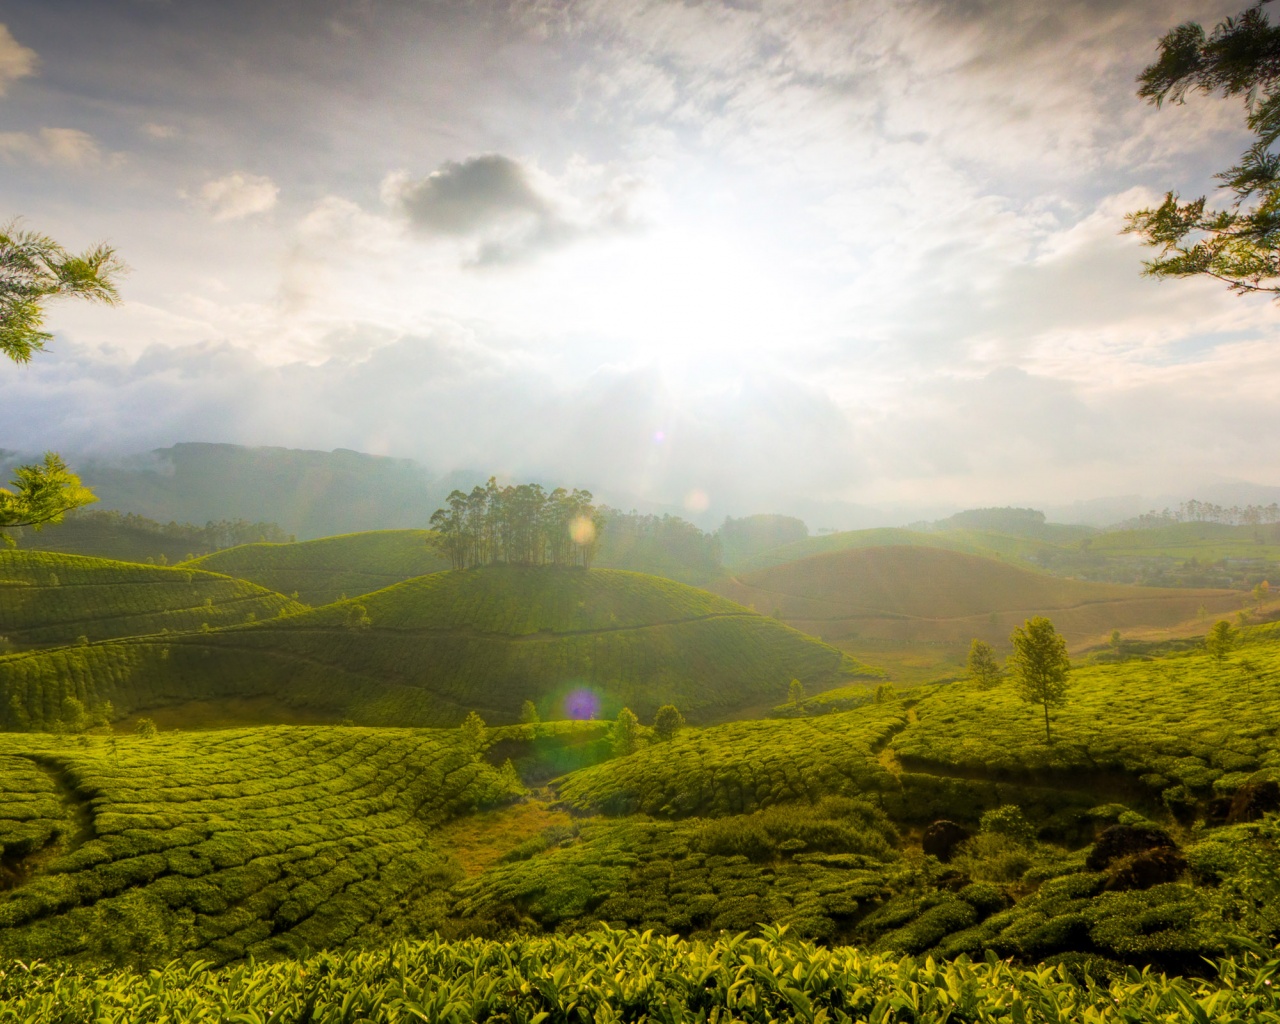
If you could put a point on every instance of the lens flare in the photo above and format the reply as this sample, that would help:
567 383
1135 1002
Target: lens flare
697 500
582 530
582 705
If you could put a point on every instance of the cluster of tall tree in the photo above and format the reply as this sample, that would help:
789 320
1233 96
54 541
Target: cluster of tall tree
1207 512
518 525
664 545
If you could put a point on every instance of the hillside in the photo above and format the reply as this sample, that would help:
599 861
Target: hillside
48 598
270 841
332 568
885 602
426 651
135 538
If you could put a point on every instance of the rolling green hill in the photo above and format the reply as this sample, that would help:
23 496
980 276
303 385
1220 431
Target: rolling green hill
216 845
48 598
426 651
333 568
888 603
280 841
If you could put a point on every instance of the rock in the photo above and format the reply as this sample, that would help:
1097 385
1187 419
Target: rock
1125 840
1143 870
1218 811
1253 800
942 837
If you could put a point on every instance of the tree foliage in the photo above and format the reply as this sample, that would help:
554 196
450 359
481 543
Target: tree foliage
667 722
626 733
795 692
518 525
1039 664
529 713
34 269
1220 640
983 667
41 494
1239 245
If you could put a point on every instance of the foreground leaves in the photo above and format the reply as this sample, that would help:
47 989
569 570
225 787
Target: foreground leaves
628 976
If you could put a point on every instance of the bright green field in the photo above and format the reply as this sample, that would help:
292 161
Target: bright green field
440 645
624 976
327 570
48 598
217 845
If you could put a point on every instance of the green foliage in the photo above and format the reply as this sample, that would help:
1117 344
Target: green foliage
667 722
740 767
41 493
626 733
473 732
34 269
529 713
627 976
323 571
357 617
795 692
145 729
1009 820
984 670
1221 640
50 598
1039 665
1237 245
214 846
443 644
129 537
520 525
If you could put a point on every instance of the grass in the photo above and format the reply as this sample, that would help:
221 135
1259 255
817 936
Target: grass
220 845
48 598
440 645
333 568
625 976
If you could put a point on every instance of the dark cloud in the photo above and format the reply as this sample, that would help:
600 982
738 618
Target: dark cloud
465 197
509 211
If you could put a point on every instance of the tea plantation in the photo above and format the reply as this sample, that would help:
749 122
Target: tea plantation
332 568
216 846
48 599
427 651
624 976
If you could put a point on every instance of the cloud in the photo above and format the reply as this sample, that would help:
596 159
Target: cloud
159 131
238 195
16 60
53 147
508 210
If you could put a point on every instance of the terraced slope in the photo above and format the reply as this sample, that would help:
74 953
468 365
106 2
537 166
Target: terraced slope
48 598
1172 732
428 650
924 595
333 568
216 845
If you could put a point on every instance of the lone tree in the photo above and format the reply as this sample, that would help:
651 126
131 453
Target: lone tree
983 667
1239 245
473 733
667 722
34 269
529 713
795 692
1220 640
1039 664
626 733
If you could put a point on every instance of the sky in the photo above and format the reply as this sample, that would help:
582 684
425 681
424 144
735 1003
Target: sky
730 256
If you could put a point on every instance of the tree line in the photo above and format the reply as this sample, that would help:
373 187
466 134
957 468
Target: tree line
518 525
1207 512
